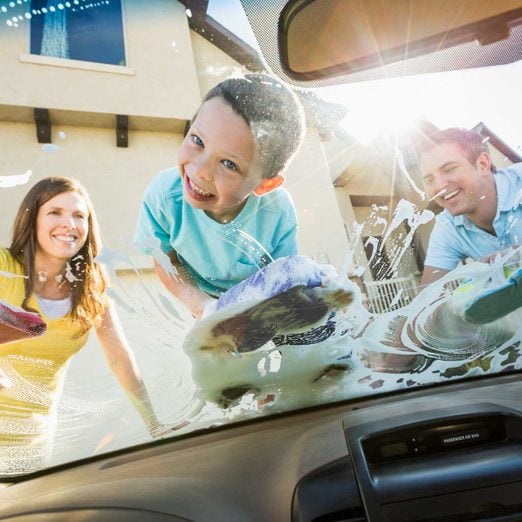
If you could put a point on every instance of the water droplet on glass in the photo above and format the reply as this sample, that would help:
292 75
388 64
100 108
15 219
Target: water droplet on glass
62 135
50 147
189 13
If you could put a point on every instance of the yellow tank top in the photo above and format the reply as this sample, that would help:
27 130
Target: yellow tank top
36 368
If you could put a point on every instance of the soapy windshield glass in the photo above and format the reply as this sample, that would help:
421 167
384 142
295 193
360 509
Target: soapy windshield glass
176 286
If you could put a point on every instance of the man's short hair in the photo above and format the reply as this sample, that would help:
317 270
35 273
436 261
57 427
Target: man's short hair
471 143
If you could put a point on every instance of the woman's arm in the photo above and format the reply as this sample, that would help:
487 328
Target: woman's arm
122 363
183 287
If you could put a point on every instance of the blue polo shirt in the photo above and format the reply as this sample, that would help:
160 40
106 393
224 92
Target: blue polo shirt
217 256
455 238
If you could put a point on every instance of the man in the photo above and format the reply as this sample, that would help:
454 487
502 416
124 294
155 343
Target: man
482 207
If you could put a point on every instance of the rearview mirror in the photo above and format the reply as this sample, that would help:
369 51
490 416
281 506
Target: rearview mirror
327 38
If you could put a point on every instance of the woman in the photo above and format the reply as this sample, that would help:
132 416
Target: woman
50 269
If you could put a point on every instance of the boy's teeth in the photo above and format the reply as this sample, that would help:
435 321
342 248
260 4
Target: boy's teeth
198 190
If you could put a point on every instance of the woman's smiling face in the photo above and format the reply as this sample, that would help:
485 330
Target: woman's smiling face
62 226
218 161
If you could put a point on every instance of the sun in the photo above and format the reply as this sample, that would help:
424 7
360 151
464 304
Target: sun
375 110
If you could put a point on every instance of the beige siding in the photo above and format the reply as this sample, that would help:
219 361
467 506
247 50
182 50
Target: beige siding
159 80
157 94
115 177
321 228
212 64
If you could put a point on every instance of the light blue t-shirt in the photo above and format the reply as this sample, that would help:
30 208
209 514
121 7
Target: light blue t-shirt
217 255
455 238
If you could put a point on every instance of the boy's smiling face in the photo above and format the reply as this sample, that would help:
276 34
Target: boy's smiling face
219 164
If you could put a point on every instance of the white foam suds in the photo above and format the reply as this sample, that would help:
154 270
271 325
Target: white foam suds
15 180
50 147
400 161
366 353
421 343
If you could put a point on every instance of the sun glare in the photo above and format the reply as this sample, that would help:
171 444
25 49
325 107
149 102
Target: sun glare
450 99
373 112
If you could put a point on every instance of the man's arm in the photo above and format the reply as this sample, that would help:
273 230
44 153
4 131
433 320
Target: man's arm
444 249
432 274
182 286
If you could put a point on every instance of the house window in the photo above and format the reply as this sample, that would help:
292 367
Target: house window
88 30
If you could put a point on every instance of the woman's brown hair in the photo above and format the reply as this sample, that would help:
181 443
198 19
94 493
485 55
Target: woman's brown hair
89 281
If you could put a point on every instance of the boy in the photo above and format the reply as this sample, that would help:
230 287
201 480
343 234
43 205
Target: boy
218 215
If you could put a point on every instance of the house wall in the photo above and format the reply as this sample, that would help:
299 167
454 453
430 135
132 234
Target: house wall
212 64
159 80
84 137
499 160
357 256
115 177
321 231
367 182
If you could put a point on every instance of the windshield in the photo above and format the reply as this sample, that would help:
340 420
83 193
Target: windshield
172 260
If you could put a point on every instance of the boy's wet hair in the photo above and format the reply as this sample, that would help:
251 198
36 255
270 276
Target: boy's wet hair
273 113
471 143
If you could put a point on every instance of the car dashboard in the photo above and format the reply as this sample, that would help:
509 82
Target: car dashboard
450 452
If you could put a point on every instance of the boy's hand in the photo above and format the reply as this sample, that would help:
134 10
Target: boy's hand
182 287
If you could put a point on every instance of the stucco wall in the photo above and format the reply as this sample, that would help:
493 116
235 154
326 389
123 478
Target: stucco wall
212 64
321 228
159 79
115 177
162 90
